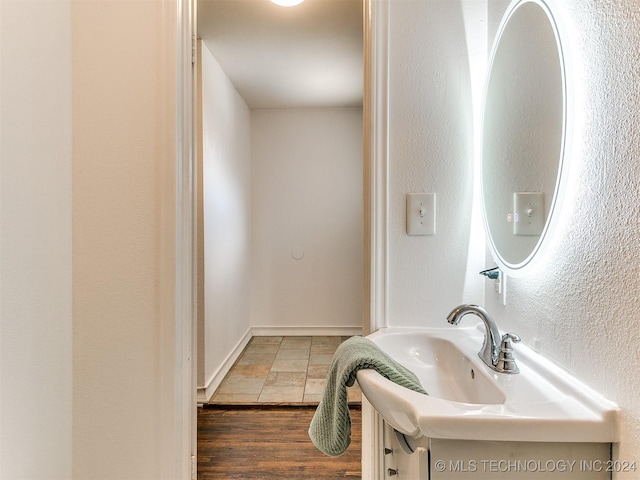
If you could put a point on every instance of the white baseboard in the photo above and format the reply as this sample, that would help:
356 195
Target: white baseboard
205 393
201 396
278 331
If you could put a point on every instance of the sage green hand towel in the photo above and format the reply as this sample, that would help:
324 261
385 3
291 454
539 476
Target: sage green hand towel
330 429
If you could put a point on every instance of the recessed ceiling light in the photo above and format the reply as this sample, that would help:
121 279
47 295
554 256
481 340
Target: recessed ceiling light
287 3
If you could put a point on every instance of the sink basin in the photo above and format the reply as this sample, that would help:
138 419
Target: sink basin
443 369
468 400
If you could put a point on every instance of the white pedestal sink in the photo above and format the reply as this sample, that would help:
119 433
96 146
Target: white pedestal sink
467 400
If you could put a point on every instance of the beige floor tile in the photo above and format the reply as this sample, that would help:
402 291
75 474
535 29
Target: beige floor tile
289 365
257 359
234 398
286 379
295 342
324 349
233 384
293 354
255 371
328 340
314 386
282 370
320 359
262 349
266 341
317 371
281 394
311 398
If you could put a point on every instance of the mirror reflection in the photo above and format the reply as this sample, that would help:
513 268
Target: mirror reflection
523 133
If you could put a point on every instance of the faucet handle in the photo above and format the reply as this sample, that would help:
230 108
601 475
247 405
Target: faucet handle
506 360
507 338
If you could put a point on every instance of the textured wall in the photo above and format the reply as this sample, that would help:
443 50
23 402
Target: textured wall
35 252
431 150
579 304
306 200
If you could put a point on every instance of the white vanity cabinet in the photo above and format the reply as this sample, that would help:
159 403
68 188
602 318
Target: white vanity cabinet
442 459
542 423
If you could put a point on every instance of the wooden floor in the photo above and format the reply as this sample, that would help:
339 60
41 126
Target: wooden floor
270 443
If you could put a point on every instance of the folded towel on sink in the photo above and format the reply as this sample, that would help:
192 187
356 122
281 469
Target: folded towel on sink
330 429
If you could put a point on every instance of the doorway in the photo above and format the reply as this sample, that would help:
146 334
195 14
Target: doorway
282 214
282 183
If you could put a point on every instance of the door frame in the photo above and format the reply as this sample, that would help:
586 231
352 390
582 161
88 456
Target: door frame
376 194
185 243
376 163
375 178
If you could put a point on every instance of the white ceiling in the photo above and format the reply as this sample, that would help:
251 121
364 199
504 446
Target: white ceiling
304 56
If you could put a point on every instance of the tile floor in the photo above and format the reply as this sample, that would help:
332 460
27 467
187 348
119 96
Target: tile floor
276 370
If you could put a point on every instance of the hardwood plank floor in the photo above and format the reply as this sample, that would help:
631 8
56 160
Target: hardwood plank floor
270 443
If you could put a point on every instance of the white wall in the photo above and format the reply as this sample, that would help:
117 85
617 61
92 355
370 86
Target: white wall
580 304
227 217
123 240
307 200
35 252
87 311
431 150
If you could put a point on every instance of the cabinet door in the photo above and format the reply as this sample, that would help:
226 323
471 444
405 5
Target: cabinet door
403 461
481 460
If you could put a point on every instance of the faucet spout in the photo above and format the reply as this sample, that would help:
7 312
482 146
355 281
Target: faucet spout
491 345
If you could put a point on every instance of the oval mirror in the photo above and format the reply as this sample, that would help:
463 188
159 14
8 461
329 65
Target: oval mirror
523 133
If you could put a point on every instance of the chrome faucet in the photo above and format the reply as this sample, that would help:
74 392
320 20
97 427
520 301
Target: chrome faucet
496 350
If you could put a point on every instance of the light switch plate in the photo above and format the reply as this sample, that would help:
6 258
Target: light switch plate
528 213
421 213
